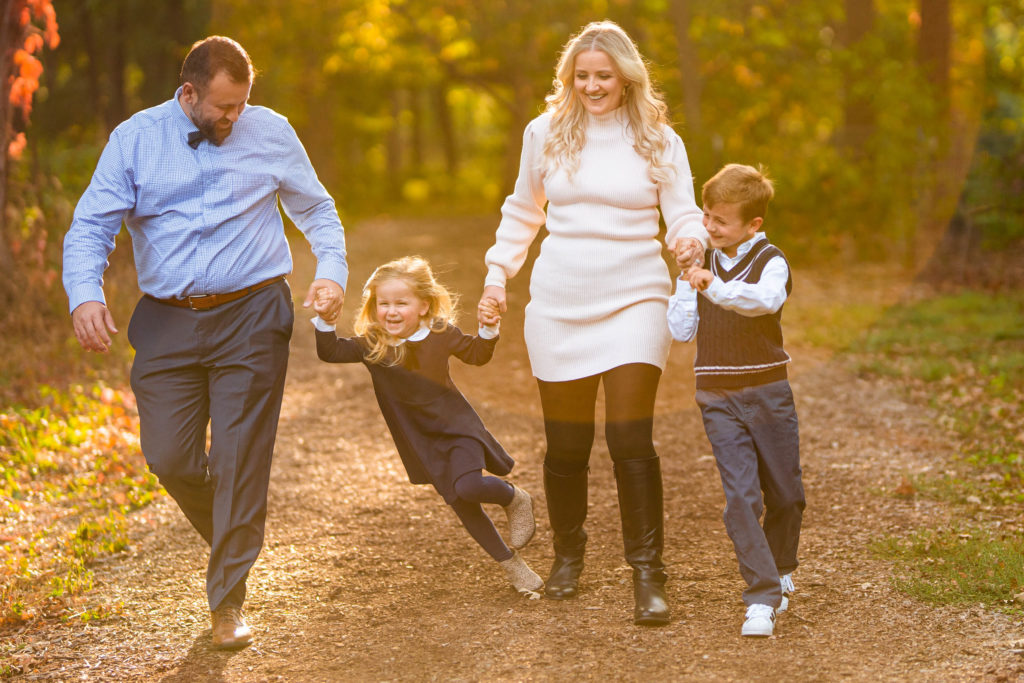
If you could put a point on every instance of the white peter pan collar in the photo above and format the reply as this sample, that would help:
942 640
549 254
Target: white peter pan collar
418 335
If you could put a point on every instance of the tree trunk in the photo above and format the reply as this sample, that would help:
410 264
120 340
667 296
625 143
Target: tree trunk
9 35
934 48
947 165
117 106
689 72
444 121
394 144
519 108
859 118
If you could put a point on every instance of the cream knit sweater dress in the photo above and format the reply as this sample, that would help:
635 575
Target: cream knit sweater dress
599 290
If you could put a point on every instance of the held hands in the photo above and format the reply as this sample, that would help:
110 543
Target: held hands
93 326
688 252
492 304
326 297
699 278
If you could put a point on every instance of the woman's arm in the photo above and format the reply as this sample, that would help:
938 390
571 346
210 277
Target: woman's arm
683 218
522 214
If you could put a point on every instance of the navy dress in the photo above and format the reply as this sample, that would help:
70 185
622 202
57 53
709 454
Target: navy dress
427 415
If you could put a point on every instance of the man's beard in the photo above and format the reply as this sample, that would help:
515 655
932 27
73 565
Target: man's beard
208 127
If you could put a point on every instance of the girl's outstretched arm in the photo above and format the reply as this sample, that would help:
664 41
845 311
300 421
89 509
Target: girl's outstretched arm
332 349
472 350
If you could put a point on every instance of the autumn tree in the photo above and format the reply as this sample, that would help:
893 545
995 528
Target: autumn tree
26 27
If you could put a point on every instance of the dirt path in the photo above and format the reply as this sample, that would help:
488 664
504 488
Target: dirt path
365 577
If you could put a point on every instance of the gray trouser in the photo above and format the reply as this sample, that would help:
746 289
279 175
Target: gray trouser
754 436
223 368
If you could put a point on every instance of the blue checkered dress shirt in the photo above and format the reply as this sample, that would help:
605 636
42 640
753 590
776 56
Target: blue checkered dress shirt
204 220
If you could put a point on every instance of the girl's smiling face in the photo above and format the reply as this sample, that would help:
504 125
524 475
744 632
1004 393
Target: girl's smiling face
597 83
399 311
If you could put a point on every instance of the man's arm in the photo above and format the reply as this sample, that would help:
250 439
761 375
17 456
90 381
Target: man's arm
307 203
89 242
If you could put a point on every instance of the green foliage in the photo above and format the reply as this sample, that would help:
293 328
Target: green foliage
994 194
71 471
957 566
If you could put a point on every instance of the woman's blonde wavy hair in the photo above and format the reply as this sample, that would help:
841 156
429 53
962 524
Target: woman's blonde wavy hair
642 104
414 271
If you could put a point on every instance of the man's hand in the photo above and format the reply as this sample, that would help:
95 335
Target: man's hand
326 297
93 326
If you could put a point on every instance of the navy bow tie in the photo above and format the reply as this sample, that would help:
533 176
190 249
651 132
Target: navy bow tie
195 137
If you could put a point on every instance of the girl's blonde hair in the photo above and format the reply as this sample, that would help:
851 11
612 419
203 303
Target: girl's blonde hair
642 104
416 272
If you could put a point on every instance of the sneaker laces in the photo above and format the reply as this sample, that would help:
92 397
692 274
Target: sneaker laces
787 584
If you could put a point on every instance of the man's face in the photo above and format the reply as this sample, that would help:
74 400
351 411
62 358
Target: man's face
217 107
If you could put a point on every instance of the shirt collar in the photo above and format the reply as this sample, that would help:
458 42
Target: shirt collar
418 335
742 250
181 117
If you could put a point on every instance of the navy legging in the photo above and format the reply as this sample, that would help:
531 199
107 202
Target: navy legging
472 489
629 393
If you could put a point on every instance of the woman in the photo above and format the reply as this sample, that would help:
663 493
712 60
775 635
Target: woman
604 159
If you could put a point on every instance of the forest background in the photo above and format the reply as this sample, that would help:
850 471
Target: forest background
894 130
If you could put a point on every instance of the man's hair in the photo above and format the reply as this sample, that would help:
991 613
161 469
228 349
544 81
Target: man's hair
210 56
739 184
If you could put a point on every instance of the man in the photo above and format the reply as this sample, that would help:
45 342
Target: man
197 180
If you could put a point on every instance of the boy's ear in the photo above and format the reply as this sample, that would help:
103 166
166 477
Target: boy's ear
755 224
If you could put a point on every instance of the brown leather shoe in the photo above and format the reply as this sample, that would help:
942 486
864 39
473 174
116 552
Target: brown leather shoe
230 632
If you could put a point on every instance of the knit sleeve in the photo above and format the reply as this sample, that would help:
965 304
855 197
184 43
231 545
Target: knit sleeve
683 218
522 214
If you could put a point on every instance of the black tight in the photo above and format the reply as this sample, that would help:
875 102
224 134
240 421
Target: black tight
472 489
629 392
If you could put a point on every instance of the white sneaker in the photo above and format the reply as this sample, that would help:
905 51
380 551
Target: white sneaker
760 621
787 590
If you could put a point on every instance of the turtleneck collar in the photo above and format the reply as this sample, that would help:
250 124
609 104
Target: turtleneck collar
611 119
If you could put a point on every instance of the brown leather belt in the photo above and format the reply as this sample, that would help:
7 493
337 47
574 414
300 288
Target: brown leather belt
208 301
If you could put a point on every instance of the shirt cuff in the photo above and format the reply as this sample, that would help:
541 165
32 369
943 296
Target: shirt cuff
322 325
714 290
488 331
82 293
338 272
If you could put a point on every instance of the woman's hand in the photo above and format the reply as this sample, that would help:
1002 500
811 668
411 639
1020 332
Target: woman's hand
688 252
493 299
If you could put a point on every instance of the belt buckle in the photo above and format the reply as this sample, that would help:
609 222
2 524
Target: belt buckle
192 305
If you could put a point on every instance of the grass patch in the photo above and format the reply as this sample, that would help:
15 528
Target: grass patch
964 356
70 470
957 566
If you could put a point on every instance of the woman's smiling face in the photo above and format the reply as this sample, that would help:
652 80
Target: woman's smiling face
597 83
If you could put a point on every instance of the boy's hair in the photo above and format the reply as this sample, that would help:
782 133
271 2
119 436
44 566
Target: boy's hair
740 184
414 271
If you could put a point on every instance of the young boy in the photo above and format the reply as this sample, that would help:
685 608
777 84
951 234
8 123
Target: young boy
742 390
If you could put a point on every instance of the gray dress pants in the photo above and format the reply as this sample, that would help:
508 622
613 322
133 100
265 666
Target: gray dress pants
221 369
754 436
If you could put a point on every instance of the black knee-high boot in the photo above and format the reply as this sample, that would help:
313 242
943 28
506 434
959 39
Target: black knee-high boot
640 506
567 510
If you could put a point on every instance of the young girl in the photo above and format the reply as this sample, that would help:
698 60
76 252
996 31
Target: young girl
405 335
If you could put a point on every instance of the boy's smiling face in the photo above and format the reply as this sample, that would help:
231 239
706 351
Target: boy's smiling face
726 228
